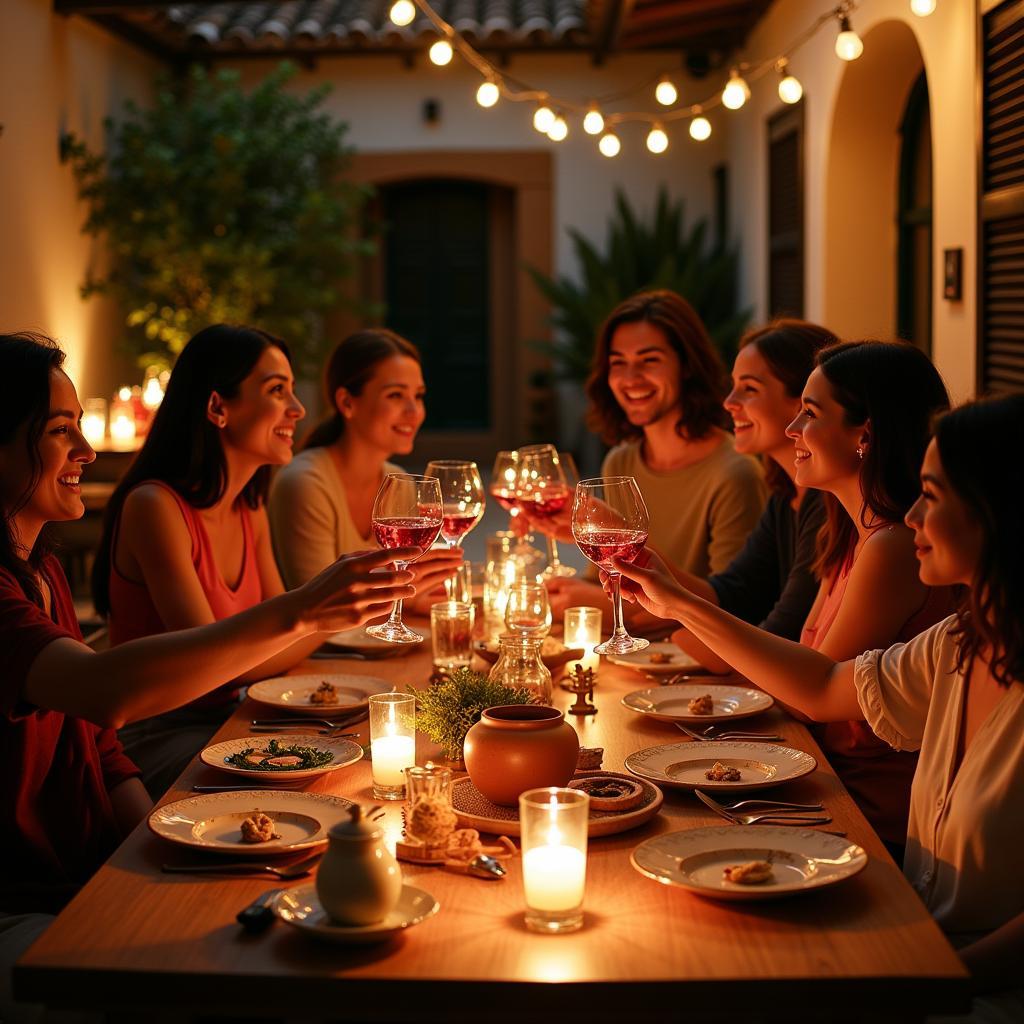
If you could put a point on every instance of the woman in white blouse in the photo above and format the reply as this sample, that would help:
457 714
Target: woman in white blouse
955 692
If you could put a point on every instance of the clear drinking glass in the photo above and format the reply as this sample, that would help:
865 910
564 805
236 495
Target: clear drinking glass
451 631
609 520
543 491
528 610
406 513
392 742
462 494
553 836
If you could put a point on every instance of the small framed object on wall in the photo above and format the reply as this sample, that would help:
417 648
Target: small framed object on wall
952 274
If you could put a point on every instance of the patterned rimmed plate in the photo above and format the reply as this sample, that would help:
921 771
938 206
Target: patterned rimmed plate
300 907
474 810
672 703
292 693
358 641
683 765
658 658
343 753
802 860
213 822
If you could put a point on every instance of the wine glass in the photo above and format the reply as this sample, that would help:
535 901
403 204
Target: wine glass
462 494
503 481
407 512
544 490
528 611
609 520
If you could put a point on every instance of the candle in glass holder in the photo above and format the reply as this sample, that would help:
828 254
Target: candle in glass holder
122 423
392 742
451 632
94 420
553 824
583 629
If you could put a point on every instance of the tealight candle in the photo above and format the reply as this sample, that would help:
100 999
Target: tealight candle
392 742
583 629
553 830
122 424
94 420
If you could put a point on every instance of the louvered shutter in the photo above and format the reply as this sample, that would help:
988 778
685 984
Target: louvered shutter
786 213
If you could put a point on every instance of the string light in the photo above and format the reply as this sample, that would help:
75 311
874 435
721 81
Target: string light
593 122
790 89
848 43
665 92
441 53
488 93
402 12
543 119
922 8
657 140
559 129
700 128
736 91
609 144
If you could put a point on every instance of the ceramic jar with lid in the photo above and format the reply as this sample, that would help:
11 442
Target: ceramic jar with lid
359 880
517 747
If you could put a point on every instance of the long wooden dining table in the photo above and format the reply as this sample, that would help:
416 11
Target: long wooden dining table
135 939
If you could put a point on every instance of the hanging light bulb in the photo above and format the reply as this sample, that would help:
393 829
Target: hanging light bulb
488 93
736 91
593 122
441 53
559 129
790 89
922 8
700 127
402 12
665 92
848 43
543 119
657 140
609 144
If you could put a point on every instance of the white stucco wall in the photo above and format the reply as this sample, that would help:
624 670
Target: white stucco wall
946 41
57 74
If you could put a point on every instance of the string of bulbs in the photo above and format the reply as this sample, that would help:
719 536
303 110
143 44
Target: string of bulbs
551 113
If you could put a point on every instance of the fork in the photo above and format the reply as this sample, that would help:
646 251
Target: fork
778 817
286 871
330 723
741 804
331 731
736 735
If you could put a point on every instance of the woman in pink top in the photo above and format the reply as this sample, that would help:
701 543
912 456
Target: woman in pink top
186 539
861 432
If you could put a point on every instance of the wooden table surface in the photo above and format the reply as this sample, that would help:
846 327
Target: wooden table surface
864 949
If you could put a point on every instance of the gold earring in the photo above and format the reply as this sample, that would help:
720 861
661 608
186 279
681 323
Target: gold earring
860 452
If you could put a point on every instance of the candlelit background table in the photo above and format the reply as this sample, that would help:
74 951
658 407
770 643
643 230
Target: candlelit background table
864 950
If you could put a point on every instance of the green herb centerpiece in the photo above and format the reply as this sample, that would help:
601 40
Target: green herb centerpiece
448 710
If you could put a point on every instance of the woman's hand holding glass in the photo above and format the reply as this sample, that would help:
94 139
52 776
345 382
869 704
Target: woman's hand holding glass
648 582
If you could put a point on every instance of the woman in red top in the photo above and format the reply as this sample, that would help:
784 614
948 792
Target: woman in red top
860 435
199 484
67 792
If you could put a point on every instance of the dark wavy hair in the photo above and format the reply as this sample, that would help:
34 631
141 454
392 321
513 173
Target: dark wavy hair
789 347
979 446
350 366
26 362
892 387
703 379
183 448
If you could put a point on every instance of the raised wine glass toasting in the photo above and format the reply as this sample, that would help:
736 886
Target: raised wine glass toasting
407 513
543 490
609 520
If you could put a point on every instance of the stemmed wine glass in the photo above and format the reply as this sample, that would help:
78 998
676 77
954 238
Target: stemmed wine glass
543 490
609 520
528 612
503 481
462 494
407 512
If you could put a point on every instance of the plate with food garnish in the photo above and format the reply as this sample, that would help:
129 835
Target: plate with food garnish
661 658
250 823
756 862
284 757
698 702
720 765
318 693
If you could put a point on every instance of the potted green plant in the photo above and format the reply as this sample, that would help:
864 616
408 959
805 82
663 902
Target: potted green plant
447 710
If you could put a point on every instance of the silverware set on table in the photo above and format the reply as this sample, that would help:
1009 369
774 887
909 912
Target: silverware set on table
321 726
774 812
735 734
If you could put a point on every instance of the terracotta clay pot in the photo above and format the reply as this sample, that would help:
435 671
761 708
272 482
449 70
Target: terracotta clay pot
516 747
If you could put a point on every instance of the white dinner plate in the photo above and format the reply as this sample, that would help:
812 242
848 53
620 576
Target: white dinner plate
801 859
344 753
213 821
683 764
677 659
300 907
292 693
672 703
358 641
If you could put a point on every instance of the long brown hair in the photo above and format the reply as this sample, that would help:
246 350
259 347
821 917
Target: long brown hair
893 387
703 380
350 366
789 347
979 446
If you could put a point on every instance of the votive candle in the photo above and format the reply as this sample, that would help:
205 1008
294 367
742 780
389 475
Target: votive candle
392 742
583 629
94 420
